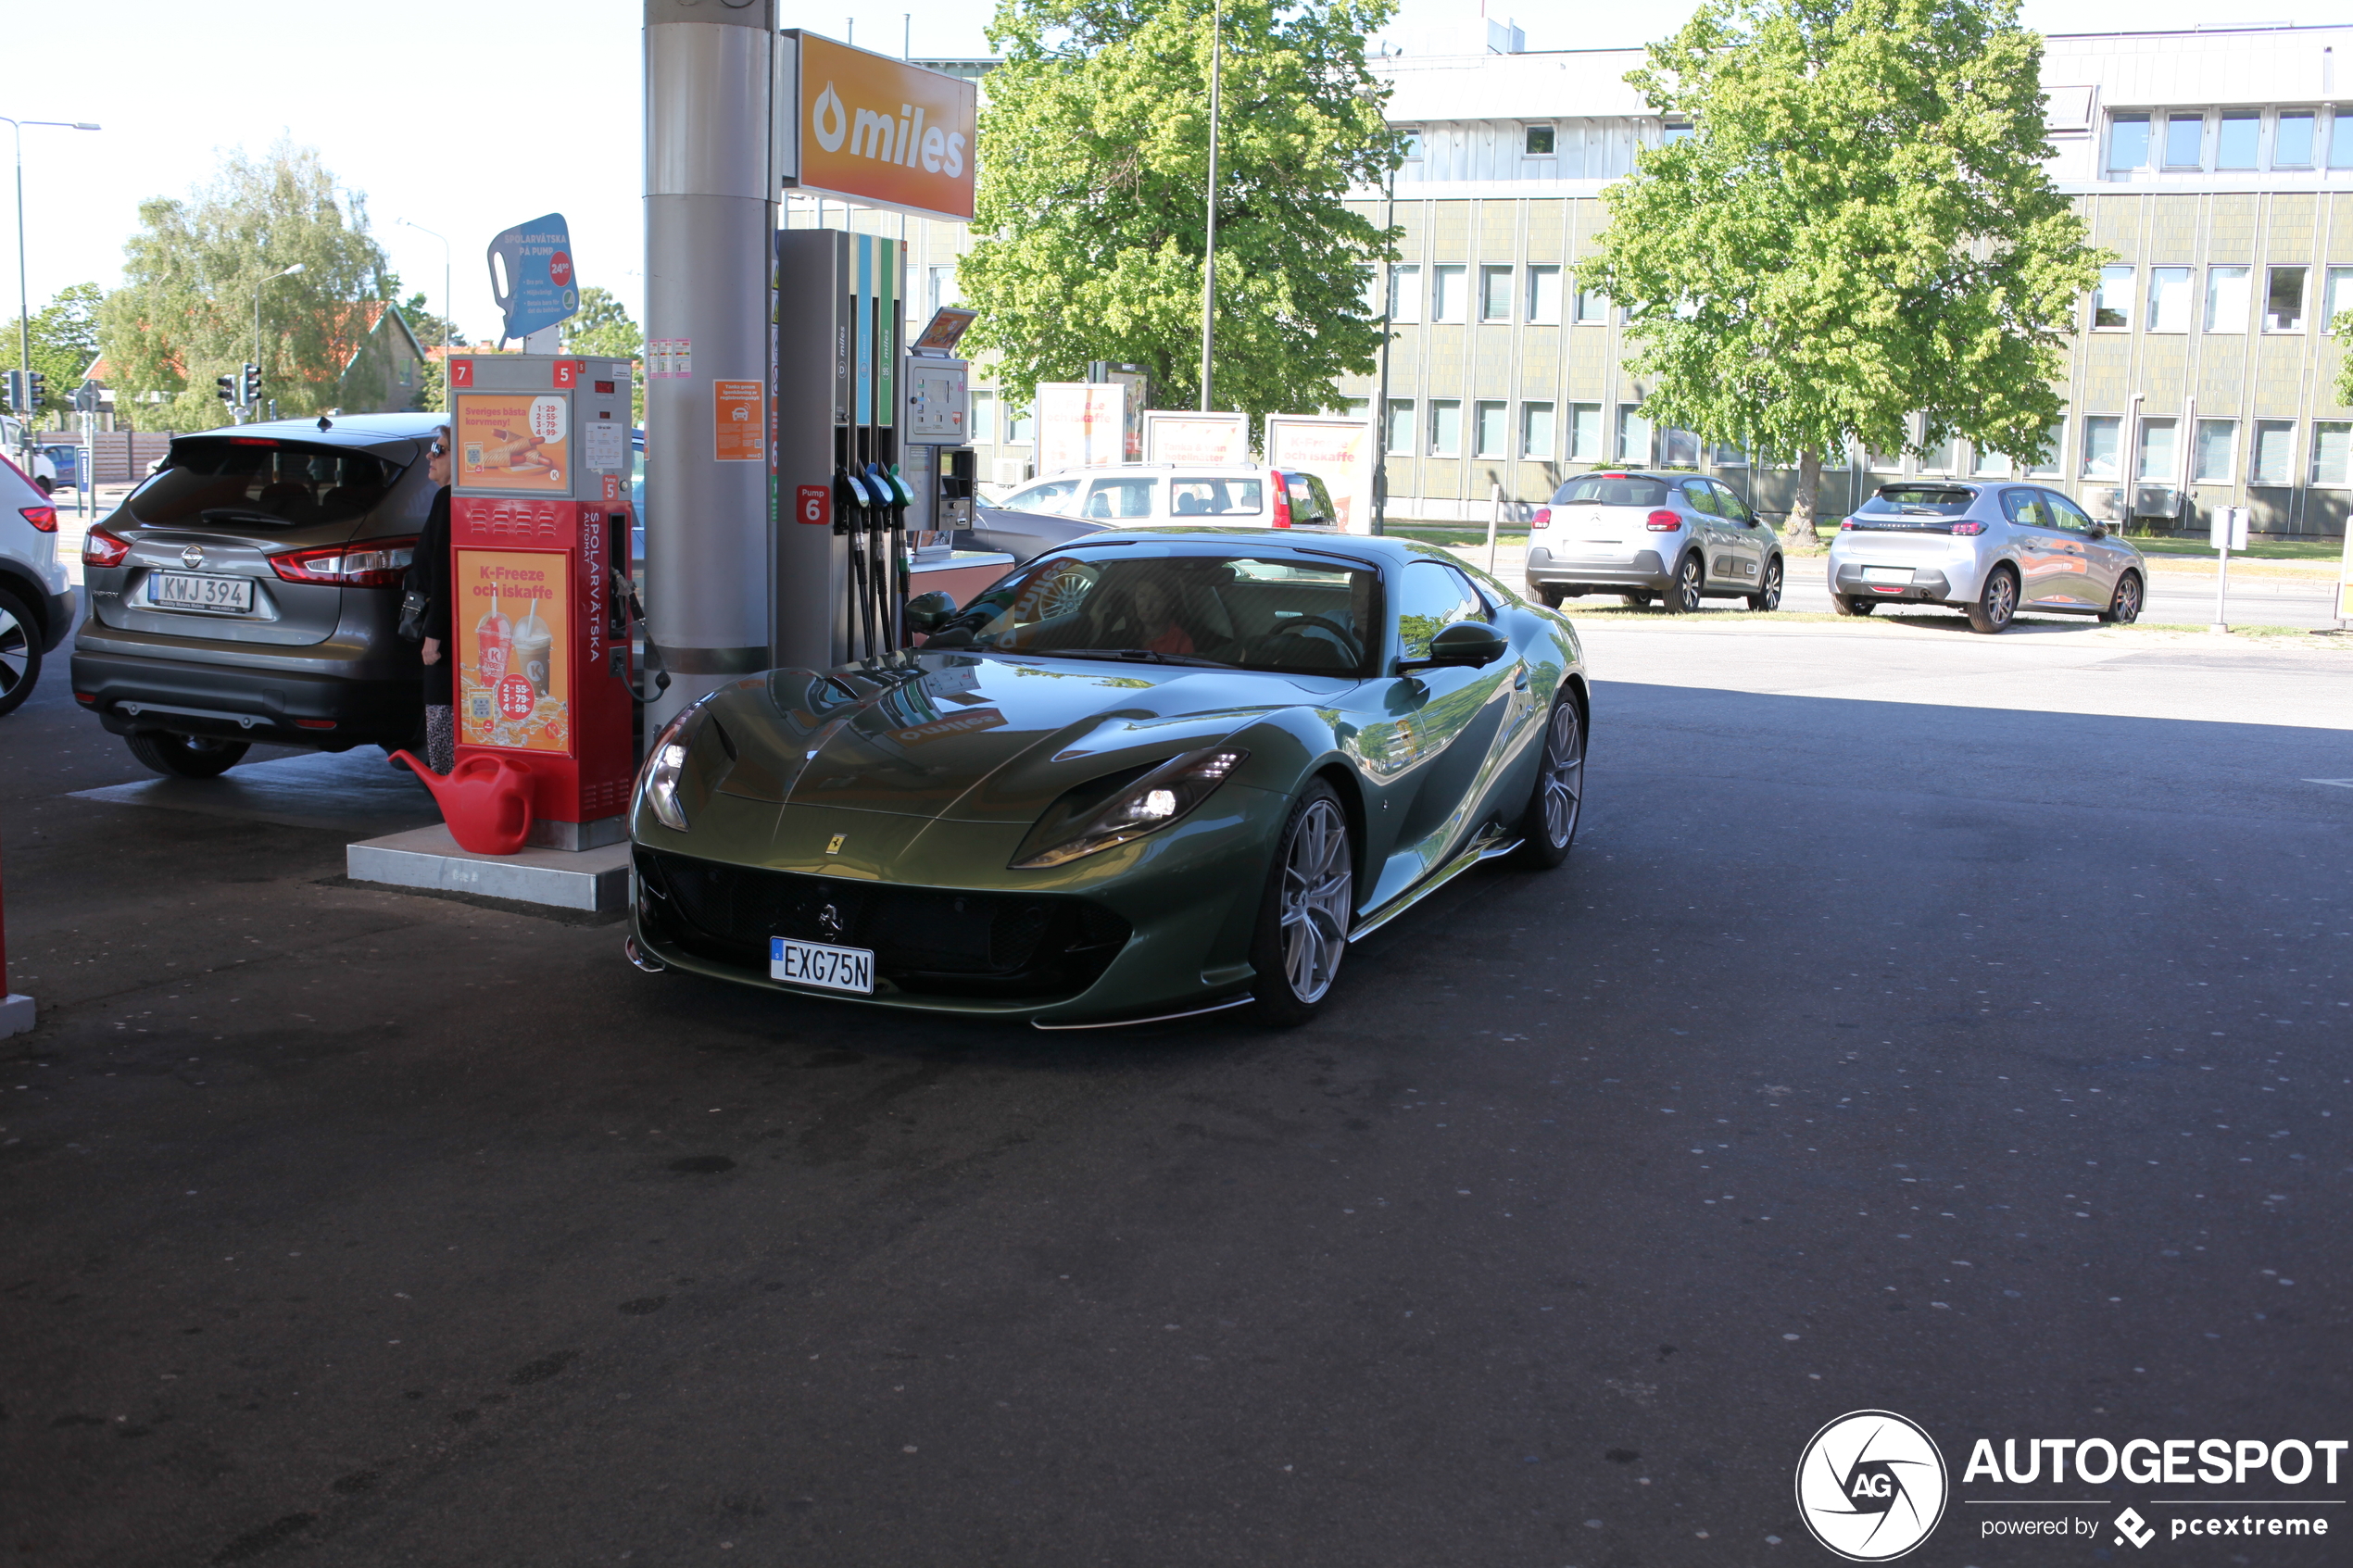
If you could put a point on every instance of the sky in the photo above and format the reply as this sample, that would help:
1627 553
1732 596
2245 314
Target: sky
470 115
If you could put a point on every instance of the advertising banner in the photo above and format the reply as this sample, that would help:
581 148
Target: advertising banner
874 130
1081 424
1195 438
1337 451
512 617
531 275
738 421
519 441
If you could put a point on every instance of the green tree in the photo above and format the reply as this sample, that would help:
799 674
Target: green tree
1093 160
185 312
602 327
1857 229
431 330
65 341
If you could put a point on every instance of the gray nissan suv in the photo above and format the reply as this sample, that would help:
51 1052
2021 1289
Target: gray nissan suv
250 591
1679 538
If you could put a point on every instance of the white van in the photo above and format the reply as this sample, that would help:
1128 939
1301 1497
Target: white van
1160 495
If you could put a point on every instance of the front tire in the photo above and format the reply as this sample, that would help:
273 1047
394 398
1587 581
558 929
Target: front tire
1767 596
1846 605
185 757
1305 913
1549 825
2125 608
19 653
1551 596
1688 590
1996 603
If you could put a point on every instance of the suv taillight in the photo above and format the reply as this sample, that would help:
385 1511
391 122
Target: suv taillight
100 547
42 518
1663 521
1543 518
1282 499
381 564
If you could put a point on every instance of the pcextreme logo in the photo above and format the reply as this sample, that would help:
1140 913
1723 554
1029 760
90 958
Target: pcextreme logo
882 131
1871 1485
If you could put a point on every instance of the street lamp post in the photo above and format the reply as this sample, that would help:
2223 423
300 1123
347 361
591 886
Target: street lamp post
1209 251
24 301
257 308
445 279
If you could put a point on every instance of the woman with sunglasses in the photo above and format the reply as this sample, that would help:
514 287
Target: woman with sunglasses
428 575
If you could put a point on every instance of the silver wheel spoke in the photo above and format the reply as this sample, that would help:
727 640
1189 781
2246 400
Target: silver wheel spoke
1318 879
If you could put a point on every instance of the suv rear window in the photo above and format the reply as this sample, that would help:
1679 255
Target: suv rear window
1918 500
1612 490
259 482
1216 498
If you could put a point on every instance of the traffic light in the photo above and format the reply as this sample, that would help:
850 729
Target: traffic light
38 393
252 387
227 387
12 393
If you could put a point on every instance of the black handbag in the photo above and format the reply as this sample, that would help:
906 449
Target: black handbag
413 605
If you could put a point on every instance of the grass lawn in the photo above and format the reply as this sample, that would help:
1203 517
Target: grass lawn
1946 621
2293 549
1438 533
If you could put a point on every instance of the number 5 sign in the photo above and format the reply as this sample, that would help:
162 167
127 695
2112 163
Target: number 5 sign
813 503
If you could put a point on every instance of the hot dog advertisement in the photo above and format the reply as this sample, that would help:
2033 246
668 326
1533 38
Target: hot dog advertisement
518 440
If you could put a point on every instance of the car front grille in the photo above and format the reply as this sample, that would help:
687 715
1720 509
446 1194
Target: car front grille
931 941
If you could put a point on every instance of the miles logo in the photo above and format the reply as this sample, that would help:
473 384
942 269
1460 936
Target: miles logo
902 140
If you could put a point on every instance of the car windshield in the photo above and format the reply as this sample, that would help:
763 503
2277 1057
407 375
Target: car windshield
1243 612
1918 500
1612 490
255 480
1215 498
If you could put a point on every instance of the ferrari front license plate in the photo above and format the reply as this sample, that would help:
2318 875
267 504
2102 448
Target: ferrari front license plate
828 969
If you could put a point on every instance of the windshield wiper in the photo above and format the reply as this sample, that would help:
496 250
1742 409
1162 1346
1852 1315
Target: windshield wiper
1140 655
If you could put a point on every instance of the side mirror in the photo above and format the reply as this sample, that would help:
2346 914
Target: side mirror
1473 643
2099 530
929 612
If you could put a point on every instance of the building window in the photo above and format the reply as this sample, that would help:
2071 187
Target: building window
2331 444
1677 449
2284 300
2099 445
1412 146
2340 140
1539 140
1494 293
2184 141
2112 303
2128 142
2236 141
1723 455
2226 299
1021 427
984 416
939 286
1543 295
1446 293
1989 464
1674 132
2045 464
1633 435
2154 462
1536 430
1445 426
2337 295
1591 305
1585 432
1405 294
2292 139
2168 299
1401 427
1371 277
1490 423
2215 457
1938 458
2275 454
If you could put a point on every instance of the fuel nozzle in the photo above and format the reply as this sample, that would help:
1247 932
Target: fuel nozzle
851 499
885 485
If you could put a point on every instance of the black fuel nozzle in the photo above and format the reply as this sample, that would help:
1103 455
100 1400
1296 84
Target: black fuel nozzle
850 501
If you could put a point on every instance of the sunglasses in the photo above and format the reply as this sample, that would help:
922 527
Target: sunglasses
439 450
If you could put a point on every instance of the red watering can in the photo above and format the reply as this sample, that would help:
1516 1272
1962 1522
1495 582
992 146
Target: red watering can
485 800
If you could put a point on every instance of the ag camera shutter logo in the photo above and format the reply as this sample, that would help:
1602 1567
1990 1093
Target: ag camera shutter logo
1871 1485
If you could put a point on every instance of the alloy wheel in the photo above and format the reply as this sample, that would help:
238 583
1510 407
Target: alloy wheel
1562 777
16 651
1318 886
2127 608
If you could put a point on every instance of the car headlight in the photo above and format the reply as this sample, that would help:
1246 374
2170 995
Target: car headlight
1083 823
666 761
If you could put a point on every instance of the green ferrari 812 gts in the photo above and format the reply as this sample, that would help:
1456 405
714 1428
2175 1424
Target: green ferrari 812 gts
1141 777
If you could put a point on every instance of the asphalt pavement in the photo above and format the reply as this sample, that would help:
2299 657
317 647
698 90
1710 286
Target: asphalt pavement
1947 1025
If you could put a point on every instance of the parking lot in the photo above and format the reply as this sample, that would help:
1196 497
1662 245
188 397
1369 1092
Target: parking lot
1946 1024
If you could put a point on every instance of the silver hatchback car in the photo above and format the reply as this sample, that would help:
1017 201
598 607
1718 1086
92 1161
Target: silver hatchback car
1991 549
1677 538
